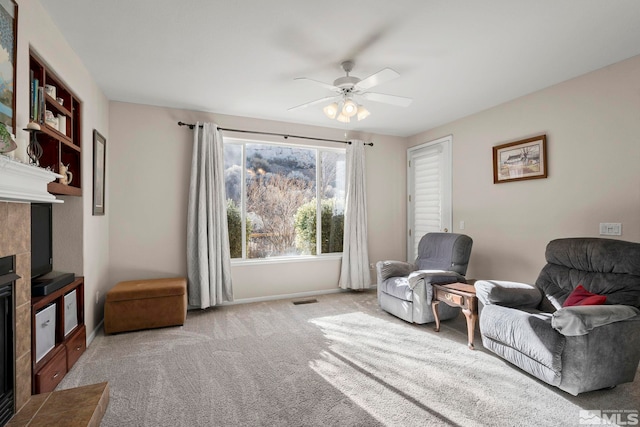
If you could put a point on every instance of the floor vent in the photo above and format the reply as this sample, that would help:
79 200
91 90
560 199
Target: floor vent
305 301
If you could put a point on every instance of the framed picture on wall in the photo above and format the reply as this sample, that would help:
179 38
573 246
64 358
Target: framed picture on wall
520 160
99 158
8 45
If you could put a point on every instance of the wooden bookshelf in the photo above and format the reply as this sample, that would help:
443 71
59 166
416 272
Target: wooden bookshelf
61 140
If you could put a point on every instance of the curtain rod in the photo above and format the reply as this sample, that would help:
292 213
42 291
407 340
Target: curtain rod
285 136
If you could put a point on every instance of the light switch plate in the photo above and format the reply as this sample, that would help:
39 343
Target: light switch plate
610 229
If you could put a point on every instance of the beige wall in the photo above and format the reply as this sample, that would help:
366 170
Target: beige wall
592 124
149 166
81 241
593 128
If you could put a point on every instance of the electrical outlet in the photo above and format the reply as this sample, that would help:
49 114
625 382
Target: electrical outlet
610 229
371 266
97 297
461 225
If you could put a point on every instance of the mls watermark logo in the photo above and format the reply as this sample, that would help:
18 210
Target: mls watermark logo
620 417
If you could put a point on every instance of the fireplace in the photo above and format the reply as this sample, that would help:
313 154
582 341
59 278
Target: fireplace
20 185
15 243
8 277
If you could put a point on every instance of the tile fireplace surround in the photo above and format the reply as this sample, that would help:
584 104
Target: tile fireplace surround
15 239
21 183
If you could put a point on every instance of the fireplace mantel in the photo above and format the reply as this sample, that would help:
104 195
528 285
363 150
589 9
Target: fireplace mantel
20 182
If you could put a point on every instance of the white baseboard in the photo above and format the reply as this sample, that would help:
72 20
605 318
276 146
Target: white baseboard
95 331
284 296
250 300
289 296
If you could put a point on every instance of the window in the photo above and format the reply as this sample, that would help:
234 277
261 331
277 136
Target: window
283 200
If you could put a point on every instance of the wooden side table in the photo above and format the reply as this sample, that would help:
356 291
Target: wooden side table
457 295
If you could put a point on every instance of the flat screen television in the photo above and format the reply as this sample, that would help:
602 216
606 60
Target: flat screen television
41 239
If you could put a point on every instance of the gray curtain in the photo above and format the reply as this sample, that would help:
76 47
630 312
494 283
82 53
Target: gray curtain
208 256
354 273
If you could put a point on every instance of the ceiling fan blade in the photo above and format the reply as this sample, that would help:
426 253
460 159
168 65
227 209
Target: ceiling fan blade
380 77
370 40
400 101
317 101
324 85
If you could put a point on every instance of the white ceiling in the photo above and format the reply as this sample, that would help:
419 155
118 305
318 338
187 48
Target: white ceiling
239 58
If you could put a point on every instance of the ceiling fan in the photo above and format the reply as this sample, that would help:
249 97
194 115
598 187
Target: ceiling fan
348 87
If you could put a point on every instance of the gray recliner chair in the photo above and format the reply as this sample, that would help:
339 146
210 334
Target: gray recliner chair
576 348
404 289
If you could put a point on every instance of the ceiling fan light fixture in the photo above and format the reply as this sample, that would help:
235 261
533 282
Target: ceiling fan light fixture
331 110
350 108
363 113
348 87
342 118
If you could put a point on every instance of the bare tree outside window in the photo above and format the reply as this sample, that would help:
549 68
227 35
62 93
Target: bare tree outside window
274 188
275 199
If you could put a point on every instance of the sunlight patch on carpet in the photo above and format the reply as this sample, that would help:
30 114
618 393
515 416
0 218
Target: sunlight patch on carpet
395 371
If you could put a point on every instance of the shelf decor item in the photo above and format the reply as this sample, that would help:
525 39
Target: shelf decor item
520 160
51 90
50 119
8 48
99 156
34 149
67 175
62 124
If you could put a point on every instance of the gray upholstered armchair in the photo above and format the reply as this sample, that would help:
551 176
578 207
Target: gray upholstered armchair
404 289
576 348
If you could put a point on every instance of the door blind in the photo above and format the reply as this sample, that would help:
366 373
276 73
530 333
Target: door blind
427 194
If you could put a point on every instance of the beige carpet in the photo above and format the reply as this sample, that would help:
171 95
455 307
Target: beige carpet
339 362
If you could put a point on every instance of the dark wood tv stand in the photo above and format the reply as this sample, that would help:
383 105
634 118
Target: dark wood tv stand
49 371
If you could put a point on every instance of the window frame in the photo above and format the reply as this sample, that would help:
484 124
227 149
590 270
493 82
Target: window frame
243 201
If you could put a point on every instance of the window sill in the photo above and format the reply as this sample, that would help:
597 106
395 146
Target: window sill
286 260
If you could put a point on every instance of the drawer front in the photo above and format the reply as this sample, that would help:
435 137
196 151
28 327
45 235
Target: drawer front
450 298
51 373
76 345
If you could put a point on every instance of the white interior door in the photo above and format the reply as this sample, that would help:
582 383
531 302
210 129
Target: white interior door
429 191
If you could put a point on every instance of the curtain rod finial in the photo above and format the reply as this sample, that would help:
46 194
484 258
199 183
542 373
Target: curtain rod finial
190 126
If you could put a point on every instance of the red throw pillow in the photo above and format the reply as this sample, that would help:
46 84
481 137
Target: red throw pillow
581 296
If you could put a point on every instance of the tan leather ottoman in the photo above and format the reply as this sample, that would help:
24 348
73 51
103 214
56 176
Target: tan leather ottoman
145 304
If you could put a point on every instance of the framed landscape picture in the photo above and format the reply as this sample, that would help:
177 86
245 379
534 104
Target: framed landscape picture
520 160
8 36
99 157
